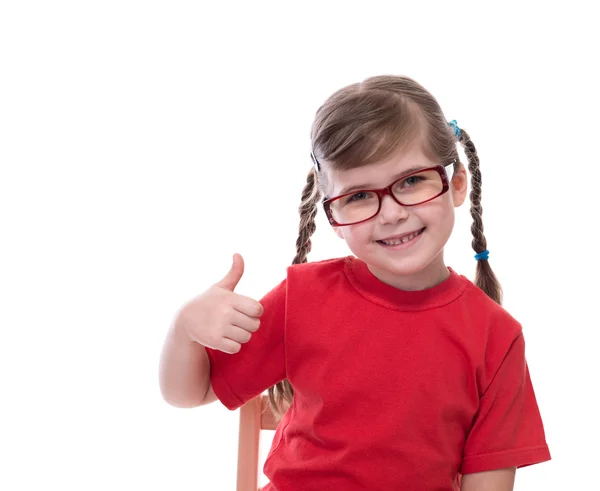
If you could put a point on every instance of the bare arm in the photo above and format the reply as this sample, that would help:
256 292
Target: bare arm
219 319
498 480
184 373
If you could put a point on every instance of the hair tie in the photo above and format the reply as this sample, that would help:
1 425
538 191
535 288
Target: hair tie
315 162
455 127
482 255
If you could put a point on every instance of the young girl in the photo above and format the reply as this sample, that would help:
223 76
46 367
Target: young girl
391 370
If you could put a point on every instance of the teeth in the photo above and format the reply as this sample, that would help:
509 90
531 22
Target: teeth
402 240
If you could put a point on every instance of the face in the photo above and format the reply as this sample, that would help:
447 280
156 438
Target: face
417 263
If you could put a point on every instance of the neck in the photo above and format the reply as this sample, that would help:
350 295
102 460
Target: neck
433 274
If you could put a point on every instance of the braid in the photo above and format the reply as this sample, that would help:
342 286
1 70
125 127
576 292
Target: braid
484 276
281 395
308 211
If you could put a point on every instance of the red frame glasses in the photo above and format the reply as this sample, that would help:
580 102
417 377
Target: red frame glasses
440 169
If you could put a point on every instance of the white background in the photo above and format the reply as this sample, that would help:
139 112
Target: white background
143 143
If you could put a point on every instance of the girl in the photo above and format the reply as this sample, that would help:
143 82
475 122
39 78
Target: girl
391 332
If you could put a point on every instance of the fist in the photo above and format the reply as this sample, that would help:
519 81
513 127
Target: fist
219 318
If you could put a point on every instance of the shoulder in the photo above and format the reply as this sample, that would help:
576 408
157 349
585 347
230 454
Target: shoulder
486 326
318 268
492 331
317 275
485 309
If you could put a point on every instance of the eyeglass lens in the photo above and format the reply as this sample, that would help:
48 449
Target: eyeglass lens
411 190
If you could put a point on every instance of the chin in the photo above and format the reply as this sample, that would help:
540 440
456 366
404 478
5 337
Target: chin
409 269
408 265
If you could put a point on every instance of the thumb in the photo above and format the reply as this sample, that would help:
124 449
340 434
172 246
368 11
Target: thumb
232 278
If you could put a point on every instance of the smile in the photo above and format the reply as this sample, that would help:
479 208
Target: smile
401 240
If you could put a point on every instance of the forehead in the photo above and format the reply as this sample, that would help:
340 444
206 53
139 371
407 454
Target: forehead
378 174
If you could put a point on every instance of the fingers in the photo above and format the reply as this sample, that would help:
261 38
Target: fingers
239 320
231 318
232 278
247 306
228 346
234 338
241 303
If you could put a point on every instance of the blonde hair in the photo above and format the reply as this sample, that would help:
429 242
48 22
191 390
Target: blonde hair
364 123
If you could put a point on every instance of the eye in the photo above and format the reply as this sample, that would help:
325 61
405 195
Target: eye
358 199
362 195
413 180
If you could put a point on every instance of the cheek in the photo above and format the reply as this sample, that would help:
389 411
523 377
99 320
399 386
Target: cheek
356 233
447 220
440 214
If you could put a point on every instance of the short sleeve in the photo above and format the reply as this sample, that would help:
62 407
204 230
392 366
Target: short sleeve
260 363
507 430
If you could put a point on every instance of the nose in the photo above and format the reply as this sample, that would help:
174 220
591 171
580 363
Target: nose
391 211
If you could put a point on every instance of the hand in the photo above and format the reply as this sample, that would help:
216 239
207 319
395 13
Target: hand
219 318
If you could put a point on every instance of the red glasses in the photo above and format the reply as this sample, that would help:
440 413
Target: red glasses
413 189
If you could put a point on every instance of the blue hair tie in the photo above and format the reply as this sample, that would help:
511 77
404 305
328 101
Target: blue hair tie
483 255
455 127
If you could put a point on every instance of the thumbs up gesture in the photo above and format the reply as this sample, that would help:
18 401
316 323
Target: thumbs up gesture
219 318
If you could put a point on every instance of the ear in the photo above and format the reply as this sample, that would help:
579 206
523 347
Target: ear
458 185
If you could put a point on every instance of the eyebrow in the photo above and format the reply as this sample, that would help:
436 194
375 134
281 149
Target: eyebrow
367 186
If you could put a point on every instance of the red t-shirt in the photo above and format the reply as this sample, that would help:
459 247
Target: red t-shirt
393 389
